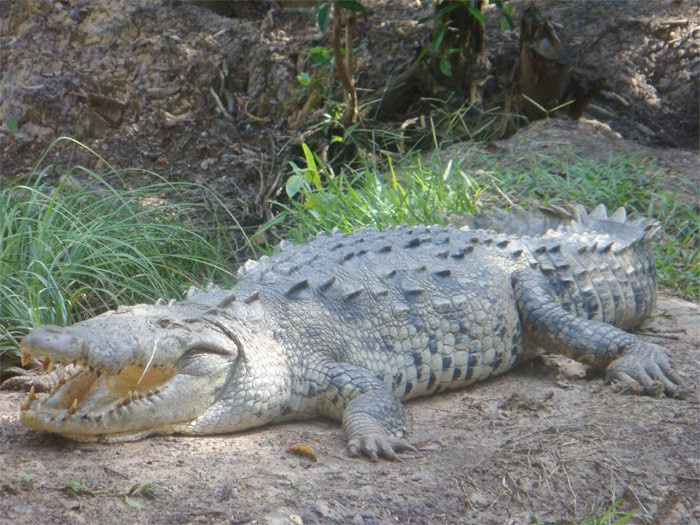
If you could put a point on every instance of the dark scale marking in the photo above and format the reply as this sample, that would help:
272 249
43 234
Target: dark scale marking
459 254
408 388
582 250
473 361
431 380
515 254
227 301
432 344
469 373
457 372
419 374
296 288
418 322
555 249
540 249
385 249
252 297
347 257
327 284
417 358
607 248
361 252
390 275
503 244
442 272
421 268
312 390
398 378
351 295
337 246
411 290
475 240
463 328
446 362
379 292
443 254
413 243
592 306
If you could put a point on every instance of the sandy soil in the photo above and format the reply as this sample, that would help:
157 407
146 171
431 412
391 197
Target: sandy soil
539 438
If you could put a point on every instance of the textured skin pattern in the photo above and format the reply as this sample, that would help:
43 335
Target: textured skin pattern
347 326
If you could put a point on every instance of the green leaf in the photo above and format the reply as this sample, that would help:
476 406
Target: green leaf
446 67
440 33
134 504
476 13
323 15
320 55
304 79
12 124
349 130
294 184
352 5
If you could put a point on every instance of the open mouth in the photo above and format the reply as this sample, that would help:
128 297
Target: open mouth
83 395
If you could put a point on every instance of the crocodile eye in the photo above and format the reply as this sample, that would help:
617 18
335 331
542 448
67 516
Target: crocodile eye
163 322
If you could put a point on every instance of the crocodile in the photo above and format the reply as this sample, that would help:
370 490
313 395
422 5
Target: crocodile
350 325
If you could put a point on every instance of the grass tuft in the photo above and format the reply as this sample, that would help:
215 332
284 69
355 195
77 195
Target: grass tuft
67 254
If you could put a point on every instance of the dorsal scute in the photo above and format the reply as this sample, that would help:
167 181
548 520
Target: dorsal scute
565 220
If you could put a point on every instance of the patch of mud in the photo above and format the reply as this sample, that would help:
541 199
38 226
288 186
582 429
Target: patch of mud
537 438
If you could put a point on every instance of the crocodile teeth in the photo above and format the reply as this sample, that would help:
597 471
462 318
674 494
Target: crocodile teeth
74 406
32 394
25 358
47 364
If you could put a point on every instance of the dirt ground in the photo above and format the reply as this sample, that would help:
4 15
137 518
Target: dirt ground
539 438
197 96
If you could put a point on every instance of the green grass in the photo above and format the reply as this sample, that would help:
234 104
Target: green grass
67 254
609 516
414 189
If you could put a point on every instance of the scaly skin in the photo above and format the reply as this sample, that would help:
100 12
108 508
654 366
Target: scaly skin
348 326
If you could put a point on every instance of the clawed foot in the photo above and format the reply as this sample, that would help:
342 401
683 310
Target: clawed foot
374 446
646 369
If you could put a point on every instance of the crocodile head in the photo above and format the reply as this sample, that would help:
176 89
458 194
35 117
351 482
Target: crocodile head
139 370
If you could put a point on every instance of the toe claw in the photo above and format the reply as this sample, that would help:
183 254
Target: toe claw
646 369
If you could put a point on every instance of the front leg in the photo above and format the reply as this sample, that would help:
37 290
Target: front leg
373 418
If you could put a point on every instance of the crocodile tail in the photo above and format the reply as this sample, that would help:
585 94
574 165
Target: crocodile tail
567 219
